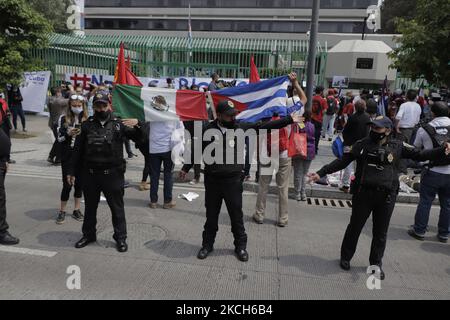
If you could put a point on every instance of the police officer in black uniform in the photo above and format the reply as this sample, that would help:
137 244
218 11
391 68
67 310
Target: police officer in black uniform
376 185
99 151
224 181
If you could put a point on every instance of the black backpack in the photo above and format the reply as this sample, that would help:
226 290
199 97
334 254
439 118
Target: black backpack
439 139
332 106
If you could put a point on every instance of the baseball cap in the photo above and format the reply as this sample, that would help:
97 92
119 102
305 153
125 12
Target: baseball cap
226 107
101 97
382 122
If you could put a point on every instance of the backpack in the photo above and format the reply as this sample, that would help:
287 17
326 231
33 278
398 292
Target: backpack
332 106
338 147
439 136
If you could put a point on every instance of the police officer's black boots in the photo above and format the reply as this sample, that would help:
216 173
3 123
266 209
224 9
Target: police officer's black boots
382 274
122 246
84 242
242 254
203 253
344 264
8 240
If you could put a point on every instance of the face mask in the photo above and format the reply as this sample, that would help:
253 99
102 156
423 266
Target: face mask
102 115
77 111
377 137
228 124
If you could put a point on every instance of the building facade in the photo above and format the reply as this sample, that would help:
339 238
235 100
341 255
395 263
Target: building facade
263 19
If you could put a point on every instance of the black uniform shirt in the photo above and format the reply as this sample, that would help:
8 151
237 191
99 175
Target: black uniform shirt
106 155
233 170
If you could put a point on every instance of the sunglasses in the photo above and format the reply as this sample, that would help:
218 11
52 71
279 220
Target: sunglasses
77 97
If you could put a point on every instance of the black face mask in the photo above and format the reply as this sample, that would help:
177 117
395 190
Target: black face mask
228 124
102 115
377 137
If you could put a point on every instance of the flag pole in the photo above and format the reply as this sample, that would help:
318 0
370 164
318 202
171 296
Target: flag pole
189 58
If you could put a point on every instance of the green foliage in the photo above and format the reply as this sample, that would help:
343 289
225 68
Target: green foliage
392 10
21 28
424 44
55 11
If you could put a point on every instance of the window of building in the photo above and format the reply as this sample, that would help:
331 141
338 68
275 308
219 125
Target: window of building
364 63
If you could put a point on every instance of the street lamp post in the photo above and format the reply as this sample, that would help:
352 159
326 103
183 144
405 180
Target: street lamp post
312 52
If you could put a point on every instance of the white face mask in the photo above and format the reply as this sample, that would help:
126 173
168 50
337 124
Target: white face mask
77 111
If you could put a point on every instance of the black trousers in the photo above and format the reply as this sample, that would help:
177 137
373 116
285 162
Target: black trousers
317 133
216 191
381 205
111 185
3 225
67 188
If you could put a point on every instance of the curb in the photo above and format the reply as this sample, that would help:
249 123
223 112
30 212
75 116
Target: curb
324 192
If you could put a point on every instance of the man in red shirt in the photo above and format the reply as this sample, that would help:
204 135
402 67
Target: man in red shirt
319 106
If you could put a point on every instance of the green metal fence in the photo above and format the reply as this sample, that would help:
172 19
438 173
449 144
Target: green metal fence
155 56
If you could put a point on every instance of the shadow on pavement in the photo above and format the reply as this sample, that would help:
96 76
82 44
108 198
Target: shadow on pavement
59 239
317 266
436 247
177 249
42 214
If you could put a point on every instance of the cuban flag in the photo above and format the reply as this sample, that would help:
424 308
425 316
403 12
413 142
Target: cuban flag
257 101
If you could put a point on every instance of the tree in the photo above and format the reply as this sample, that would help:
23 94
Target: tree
55 11
21 28
391 10
424 44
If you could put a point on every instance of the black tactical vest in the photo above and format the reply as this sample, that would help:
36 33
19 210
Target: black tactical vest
380 165
104 144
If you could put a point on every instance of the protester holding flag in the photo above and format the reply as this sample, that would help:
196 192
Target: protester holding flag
283 173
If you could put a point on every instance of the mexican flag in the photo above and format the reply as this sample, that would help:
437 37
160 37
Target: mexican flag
158 104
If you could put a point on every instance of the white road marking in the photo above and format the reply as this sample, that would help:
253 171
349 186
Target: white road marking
32 252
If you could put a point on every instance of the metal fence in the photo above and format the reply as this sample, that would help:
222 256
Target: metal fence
155 56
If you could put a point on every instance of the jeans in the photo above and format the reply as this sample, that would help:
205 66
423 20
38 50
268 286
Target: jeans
156 159
432 184
301 168
328 125
17 110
